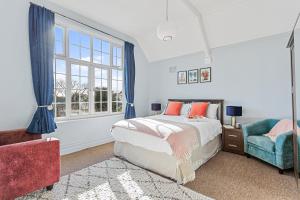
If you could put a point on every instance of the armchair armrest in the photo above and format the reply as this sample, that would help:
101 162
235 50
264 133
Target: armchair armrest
284 143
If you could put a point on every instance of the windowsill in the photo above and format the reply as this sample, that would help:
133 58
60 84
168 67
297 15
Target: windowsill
79 118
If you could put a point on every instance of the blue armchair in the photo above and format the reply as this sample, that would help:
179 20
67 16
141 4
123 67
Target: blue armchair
278 153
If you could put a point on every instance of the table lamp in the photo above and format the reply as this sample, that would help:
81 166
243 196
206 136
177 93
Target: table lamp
156 107
233 111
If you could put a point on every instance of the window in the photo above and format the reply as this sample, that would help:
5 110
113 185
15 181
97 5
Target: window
88 73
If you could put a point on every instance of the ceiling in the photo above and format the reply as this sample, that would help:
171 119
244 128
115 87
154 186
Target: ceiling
226 21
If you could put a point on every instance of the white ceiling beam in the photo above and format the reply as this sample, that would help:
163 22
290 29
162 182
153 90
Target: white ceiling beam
197 13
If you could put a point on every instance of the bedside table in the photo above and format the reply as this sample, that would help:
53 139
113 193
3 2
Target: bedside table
233 140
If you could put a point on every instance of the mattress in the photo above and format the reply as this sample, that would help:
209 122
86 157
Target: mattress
208 129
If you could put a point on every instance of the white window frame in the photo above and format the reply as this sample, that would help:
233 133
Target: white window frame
68 25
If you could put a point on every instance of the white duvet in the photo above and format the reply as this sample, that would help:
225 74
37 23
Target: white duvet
207 128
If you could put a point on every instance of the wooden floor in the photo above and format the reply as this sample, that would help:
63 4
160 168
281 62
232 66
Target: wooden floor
226 176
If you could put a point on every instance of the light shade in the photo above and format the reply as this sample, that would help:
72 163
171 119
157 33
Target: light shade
234 110
166 31
155 106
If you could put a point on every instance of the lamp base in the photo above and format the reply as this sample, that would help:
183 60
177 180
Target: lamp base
233 121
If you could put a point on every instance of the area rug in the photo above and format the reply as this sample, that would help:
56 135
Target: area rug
115 179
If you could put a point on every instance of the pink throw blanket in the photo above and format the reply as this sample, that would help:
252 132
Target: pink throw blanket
183 138
282 127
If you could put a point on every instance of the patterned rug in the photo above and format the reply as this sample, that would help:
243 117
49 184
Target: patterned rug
115 179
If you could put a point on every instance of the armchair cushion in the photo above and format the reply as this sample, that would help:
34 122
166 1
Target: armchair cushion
262 142
257 129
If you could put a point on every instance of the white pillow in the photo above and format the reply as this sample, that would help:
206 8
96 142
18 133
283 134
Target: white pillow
185 109
212 111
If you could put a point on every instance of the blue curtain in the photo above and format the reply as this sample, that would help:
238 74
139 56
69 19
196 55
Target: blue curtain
41 39
129 71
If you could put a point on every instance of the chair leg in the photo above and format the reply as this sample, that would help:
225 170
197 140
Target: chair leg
49 187
248 155
280 171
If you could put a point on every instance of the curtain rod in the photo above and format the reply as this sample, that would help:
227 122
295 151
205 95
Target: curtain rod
84 24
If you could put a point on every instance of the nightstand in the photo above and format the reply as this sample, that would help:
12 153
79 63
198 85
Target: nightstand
233 140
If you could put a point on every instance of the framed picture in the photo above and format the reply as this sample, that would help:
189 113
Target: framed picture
193 76
181 77
205 75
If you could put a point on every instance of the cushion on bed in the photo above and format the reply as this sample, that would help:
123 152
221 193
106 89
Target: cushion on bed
185 109
198 110
173 108
212 111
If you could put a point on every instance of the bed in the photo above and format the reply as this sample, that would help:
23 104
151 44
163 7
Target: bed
156 154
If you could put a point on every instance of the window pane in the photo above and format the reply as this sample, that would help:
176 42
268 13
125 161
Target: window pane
75 70
60 110
97 73
120 86
104 107
97 96
74 52
59 34
97 57
119 107
84 96
98 84
114 96
84 71
120 75
60 66
114 106
85 40
119 62
60 81
97 107
84 83
105 47
104 84
60 95
114 61
114 86
84 107
104 73
115 52
97 44
75 82
114 74
74 37
119 97
104 95
75 96
105 59
119 53
85 54
75 108
59 47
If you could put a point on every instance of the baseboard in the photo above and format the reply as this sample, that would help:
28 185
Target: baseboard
81 146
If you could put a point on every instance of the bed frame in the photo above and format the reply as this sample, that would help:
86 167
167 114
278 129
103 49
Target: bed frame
214 101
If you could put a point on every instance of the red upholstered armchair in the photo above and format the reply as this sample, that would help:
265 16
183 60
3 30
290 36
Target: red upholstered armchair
27 163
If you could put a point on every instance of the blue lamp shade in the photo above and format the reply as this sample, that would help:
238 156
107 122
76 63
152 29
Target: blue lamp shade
155 106
234 111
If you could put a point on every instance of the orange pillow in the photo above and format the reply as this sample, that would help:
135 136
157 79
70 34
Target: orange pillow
173 108
198 109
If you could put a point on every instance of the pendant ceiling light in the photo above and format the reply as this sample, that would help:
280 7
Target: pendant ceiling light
166 30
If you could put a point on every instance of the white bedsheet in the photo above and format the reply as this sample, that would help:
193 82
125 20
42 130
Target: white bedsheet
208 129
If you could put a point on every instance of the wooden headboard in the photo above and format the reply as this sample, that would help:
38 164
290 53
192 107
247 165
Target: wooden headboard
214 101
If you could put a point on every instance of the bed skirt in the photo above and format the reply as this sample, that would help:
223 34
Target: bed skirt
165 164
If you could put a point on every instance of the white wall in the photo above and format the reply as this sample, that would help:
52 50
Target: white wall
17 103
253 74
